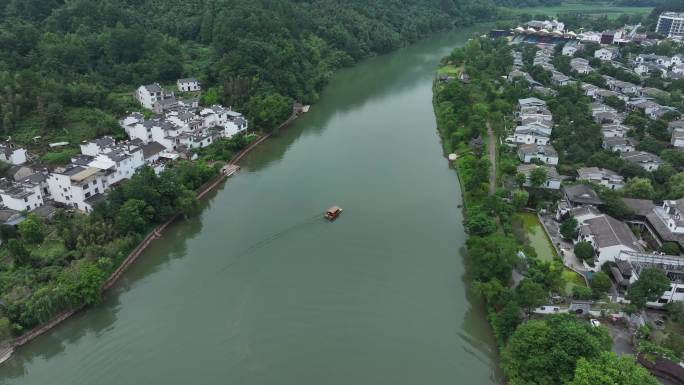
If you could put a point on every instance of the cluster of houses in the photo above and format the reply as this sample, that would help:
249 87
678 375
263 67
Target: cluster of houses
613 240
532 136
177 128
552 32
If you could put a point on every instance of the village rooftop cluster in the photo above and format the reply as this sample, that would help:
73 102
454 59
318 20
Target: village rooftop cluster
613 240
177 127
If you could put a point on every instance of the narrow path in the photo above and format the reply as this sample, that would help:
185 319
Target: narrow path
491 148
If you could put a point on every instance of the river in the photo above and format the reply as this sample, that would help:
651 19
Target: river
259 289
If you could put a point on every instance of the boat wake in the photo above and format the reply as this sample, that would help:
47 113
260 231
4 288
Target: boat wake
273 237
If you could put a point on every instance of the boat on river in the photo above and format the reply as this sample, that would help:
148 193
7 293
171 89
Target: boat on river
332 213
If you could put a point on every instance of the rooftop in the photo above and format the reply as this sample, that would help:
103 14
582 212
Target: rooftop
582 194
608 231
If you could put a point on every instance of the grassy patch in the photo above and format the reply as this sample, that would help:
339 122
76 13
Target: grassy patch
536 236
572 279
450 70
61 157
79 124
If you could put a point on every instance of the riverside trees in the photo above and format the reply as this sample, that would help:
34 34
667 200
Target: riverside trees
541 352
63 264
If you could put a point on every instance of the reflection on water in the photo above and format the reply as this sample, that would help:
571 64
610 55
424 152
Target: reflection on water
258 289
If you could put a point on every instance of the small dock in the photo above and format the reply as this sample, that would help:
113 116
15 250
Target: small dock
230 169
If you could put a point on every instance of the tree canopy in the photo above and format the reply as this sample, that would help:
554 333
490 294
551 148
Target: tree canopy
609 369
651 285
544 352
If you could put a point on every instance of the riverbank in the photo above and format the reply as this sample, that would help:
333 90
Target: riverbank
157 233
511 260
229 295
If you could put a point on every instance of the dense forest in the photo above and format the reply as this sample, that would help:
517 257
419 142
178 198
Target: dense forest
68 68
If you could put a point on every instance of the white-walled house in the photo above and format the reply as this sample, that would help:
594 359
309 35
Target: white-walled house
618 144
77 186
10 153
188 85
544 153
530 134
672 212
614 130
553 180
232 122
602 176
653 59
570 49
624 87
117 161
645 160
677 138
606 53
21 196
97 146
608 236
147 95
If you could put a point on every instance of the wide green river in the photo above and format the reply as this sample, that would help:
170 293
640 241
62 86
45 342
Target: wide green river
259 289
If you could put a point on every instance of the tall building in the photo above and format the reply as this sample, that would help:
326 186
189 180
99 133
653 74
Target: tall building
671 24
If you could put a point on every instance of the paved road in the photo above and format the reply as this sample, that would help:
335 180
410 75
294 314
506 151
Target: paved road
491 148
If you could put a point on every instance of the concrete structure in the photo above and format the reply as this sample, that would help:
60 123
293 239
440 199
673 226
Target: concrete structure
671 24
631 264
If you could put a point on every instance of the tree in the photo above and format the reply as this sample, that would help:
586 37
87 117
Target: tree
18 252
492 256
5 329
584 250
581 292
600 283
670 248
479 223
81 283
675 310
544 352
132 217
651 285
520 179
519 198
538 176
568 228
7 232
32 230
506 322
640 188
530 294
187 202
609 369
